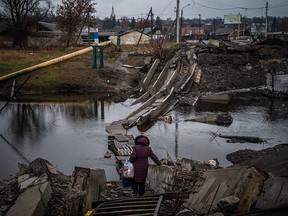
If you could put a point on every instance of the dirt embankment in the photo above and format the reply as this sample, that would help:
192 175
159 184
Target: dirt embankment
73 76
227 67
239 66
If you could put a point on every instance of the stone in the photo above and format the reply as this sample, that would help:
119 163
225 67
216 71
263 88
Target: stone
185 212
23 178
25 184
229 205
52 169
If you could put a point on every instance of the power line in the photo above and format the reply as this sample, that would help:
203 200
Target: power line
233 8
220 9
165 8
280 4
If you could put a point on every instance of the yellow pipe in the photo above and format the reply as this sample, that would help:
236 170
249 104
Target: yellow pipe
50 62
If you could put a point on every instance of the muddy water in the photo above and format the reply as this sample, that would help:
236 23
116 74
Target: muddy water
73 134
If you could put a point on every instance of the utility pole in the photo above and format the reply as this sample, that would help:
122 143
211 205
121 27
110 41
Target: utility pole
152 17
214 27
177 22
181 24
199 24
150 13
266 22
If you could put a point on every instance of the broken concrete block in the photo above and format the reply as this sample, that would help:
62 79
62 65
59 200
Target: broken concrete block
22 178
52 169
25 184
214 42
217 98
217 119
32 202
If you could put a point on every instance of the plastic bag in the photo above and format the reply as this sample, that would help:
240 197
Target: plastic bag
128 170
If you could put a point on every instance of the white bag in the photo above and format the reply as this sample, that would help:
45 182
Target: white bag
128 170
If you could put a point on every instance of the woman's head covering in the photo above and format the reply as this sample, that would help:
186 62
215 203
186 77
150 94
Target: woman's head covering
142 140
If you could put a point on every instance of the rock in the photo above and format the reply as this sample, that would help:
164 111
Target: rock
212 163
186 212
25 184
23 178
217 214
52 169
229 205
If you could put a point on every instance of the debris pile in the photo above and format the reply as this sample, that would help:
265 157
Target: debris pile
38 172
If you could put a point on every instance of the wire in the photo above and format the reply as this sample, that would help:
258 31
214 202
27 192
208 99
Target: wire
221 9
280 4
194 2
165 8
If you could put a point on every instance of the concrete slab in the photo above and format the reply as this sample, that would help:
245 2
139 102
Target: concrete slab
25 184
276 163
218 98
274 192
97 177
32 202
244 183
240 182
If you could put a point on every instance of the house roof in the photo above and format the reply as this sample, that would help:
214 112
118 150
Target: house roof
129 31
223 31
49 26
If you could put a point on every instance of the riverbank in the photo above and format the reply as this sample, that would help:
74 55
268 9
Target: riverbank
75 76
224 68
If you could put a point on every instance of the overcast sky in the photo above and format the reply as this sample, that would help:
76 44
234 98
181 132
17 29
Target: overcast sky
207 8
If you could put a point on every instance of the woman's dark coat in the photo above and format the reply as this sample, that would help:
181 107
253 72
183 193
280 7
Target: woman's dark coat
139 158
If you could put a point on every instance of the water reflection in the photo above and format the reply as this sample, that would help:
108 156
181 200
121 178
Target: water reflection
30 121
66 134
73 134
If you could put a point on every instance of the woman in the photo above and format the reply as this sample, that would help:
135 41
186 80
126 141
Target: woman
139 158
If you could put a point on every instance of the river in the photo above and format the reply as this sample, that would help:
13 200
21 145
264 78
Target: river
70 134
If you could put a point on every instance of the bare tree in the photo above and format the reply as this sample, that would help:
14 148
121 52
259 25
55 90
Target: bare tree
20 15
71 15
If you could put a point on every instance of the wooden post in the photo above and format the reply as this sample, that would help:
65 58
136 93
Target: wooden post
94 57
101 56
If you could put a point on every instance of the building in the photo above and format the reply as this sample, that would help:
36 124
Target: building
130 38
191 33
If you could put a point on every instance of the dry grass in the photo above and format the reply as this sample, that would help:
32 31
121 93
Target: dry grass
12 60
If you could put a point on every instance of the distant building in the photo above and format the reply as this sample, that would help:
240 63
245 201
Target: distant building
241 35
112 15
191 33
130 38
44 34
156 32
221 33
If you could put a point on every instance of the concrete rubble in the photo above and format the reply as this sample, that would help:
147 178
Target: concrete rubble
39 190
253 187
257 183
